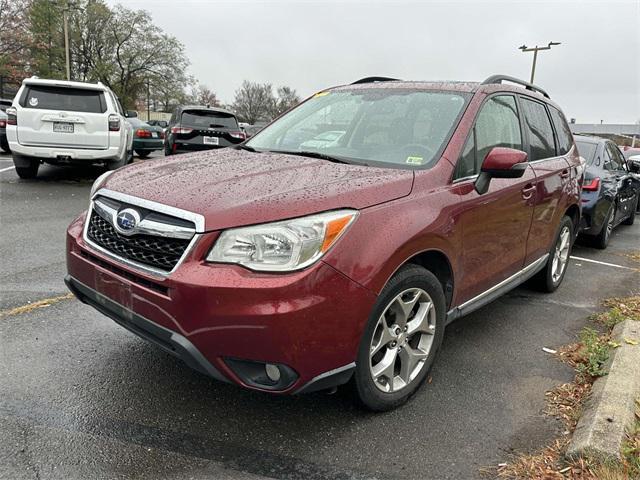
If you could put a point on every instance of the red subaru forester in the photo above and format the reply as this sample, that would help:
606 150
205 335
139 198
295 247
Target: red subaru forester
337 243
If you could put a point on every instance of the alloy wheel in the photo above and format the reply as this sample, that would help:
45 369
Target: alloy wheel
402 340
561 254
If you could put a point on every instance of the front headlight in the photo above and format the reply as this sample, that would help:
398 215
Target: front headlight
99 181
282 246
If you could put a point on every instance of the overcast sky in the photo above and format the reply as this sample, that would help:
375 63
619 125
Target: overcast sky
309 45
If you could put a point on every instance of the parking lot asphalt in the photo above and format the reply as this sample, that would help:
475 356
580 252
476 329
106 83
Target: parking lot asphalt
80 397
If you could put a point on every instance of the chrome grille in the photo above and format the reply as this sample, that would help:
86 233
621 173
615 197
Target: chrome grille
157 252
157 240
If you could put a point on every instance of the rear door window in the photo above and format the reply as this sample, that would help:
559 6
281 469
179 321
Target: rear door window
45 97
616 157
208 119
541 141
565 138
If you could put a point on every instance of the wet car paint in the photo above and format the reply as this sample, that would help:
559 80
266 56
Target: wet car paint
404 214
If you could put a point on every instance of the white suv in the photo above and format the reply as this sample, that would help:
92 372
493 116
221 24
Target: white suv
61 122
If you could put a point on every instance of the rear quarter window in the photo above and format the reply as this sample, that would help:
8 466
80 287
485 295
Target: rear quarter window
565 138
44 97
587 150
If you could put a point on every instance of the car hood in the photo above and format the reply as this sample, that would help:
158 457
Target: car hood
235 187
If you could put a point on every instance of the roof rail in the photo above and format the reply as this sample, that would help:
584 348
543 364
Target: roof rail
375 79
501 78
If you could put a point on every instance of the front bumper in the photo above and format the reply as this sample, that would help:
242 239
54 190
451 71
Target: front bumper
311 320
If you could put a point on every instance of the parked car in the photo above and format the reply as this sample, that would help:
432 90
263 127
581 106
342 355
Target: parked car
158 123
5 103
194 128
609 194
146 138
251 130
4 144
633 159
62 123
289 270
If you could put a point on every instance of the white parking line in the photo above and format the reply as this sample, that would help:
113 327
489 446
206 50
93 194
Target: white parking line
582 259
6 169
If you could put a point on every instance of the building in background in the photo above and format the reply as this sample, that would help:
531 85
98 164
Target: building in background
622 134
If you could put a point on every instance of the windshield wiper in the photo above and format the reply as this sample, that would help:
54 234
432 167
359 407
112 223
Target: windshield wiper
247 148
322 156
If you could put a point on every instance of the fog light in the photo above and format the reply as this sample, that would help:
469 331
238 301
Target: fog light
267 376
273 372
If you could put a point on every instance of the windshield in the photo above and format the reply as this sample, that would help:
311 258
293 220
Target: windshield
208 119
587 150
406 127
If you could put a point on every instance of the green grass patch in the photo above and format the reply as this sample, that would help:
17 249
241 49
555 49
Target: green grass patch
594 352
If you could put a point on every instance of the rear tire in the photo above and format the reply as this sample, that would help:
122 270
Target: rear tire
115 164
143 153
602 239
550 277
632 216
167 150
26 168
406 357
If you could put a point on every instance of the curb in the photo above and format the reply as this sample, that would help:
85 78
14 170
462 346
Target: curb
611 407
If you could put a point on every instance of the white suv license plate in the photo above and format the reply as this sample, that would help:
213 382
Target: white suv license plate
211 140
62 127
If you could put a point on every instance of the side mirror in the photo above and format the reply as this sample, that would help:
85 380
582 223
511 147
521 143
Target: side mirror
634 163
131 114
501 162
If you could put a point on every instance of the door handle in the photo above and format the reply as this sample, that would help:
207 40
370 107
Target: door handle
528 191
565 173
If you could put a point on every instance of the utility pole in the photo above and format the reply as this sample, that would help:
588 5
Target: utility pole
535 50
66 41
148 102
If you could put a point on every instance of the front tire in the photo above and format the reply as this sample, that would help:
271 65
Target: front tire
551 276
401 339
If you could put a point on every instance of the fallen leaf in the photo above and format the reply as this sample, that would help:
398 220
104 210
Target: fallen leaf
631 341
613 344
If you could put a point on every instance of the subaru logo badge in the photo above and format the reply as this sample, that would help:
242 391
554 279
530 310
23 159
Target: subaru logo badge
126 221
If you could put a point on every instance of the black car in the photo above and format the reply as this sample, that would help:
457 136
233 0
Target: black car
610 191
194 128
4 144
5 103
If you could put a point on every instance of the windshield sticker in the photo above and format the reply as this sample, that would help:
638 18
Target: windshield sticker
415 160
320 94
33 101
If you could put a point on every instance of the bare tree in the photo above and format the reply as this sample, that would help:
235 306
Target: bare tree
287 98
203 95
254 102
